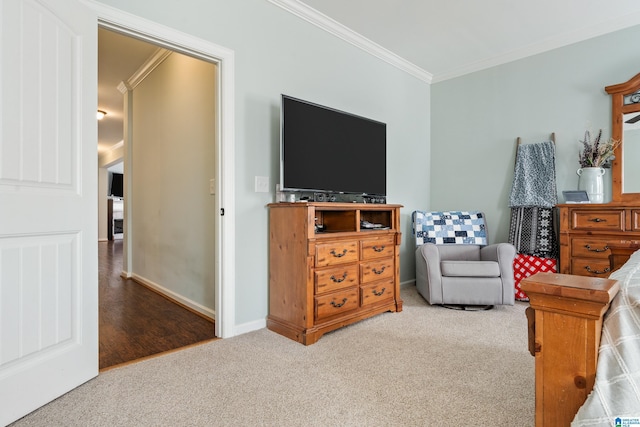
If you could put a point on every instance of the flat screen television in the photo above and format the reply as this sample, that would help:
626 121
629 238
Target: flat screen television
116 185
326 150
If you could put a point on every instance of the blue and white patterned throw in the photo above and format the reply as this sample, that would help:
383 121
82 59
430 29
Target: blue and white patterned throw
454 227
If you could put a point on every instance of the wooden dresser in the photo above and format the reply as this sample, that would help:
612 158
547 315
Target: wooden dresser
621 251
326 270
586 230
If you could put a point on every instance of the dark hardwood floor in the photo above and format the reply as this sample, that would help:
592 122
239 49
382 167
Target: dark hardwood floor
136 322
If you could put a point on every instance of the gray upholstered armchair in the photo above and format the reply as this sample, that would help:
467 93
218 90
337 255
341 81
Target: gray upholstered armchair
455 265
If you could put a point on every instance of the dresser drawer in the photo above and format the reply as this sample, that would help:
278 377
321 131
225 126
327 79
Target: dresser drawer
334 278
379 248
610 220
379 269
635 220
376 292
595 267
339 252
590 248
336 303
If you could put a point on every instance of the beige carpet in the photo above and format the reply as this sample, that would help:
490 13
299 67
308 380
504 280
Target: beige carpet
425 366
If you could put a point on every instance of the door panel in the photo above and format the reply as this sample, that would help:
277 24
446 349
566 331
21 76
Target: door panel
48 202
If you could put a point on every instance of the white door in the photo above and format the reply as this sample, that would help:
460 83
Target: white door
48 202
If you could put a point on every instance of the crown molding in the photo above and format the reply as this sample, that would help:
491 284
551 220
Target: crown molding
145 69
117 145
322 21
123 87
149 65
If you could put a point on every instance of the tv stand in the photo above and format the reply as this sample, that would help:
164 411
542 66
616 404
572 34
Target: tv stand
326 271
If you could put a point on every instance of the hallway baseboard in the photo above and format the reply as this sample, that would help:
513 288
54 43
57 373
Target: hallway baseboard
188 304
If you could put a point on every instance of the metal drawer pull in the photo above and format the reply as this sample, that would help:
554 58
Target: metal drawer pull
333 252
606 270
378 248
606 248
340 304
378 271
378 293
339 279
597 220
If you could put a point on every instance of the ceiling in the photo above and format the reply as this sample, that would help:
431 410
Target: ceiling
119 57
442 39
451 38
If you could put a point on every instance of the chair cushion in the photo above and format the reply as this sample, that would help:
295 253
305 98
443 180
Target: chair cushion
470 268
449 227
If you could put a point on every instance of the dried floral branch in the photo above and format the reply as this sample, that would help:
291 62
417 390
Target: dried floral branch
597 153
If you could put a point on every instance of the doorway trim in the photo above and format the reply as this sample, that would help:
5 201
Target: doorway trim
172 39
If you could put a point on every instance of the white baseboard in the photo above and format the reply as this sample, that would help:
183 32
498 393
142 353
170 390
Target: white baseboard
249 327
199 308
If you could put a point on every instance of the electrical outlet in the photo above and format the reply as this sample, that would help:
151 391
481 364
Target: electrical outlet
262 184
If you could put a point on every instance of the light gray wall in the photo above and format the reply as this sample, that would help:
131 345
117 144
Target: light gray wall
172 162
275 53
476 119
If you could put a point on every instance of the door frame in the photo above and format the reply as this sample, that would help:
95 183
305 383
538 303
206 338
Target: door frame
178 41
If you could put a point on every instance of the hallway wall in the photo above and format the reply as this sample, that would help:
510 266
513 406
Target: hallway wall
172 162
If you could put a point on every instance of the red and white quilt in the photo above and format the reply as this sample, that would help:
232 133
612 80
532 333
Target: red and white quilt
527 265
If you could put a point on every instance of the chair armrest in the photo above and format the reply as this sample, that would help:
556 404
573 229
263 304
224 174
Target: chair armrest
503 254
499 252
428 274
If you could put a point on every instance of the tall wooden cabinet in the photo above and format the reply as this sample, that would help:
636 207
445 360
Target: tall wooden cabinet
331 264
586 230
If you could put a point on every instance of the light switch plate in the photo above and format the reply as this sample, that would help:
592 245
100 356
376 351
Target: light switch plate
262 184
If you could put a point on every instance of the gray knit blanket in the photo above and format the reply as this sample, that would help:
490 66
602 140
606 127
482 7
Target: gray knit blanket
534 180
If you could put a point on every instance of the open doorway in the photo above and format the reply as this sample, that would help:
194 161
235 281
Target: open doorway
160 297
224 184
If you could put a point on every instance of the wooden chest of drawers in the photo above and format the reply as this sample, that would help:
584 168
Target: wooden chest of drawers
321 281
585 231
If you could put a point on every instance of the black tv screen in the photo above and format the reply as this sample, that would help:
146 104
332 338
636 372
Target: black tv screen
327 150
116 185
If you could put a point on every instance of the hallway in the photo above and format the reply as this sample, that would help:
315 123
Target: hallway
136 322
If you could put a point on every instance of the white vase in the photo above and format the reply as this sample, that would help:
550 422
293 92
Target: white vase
591 181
